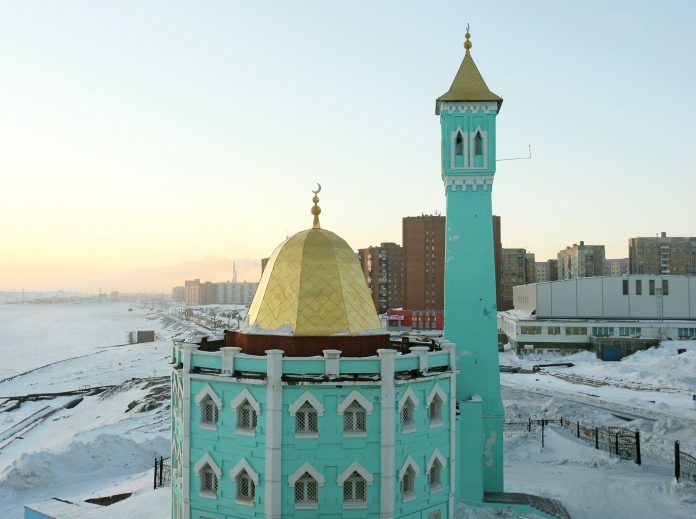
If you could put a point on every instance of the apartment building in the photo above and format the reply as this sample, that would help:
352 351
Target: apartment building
579 261
383 268
662 255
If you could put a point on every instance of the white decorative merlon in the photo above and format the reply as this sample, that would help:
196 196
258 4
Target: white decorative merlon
387 432
274 433
408 395
244 465
306 397
355 396
308 469
422 352
463 182
207 460
463 107
410 462
436 390
246 395
228 354
332 363
207 391
436 455
355 467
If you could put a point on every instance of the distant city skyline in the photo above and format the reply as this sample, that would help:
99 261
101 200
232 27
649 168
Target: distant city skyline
142 140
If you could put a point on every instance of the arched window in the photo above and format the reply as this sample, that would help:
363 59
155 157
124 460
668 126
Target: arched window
306 490
209 480
435 410
435 475
209 411
246 488
306 419
246 417
355 418
478 144
408 483
355 489
407 415
459 144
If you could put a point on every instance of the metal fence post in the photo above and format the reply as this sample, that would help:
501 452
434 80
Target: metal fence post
596 438
155 476
677 465
578 429
542 434
638 447
161 470
529 425
561 421
617 445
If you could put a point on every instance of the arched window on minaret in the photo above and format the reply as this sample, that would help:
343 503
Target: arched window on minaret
459 145
478 144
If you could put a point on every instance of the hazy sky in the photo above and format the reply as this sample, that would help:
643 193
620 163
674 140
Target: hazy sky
145 142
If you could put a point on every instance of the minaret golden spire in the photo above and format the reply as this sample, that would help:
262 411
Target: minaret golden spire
467 43
316 210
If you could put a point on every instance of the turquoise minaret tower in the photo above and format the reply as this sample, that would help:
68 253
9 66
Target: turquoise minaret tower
467 118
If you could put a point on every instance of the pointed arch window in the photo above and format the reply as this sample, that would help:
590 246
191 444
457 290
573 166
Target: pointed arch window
306 420
408 484
459 145
355 418
208 480
246 417
246 488
209 404
435 410
435 476
354 489
478 144
209 474
306 490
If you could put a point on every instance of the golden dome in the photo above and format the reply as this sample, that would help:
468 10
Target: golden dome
313 286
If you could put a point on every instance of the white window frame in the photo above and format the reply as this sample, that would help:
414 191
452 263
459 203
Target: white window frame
408 396
244 466
294 408
245 397
355 467
436 456
204 394
207 461
306 468
355 397
436 391
410 463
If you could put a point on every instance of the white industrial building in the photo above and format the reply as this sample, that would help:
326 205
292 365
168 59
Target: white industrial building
564 315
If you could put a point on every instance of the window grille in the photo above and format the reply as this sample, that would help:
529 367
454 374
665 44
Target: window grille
209 411
354 489
435 409
407 483
435 476
246 417
355 418
246 489
407 414
306 419
208 480
306 491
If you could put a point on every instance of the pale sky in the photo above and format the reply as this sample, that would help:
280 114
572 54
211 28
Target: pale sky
142 143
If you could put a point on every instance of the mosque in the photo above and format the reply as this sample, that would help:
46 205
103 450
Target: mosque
308 411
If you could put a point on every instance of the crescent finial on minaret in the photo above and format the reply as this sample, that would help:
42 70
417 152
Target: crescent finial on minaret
316 210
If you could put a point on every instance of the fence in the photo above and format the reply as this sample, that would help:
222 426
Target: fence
617 441
163 472
684 464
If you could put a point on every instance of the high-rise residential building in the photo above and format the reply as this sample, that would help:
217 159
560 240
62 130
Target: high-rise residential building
581 261
518 269
542 271
179 294
236 292
497 256
383 268
553 269
424 262
192 288
616 267
662 255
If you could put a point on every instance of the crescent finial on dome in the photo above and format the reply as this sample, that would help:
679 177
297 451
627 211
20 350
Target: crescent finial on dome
316 210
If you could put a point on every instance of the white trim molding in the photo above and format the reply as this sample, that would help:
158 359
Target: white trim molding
462 107
387 432
246 395
436 455
484 149
464 182
244 465
274 431
208 391
355 396
306 467
355 467
410 462
306 397
207 460
436 390
408 394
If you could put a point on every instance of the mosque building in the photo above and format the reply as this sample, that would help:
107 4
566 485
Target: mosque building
308 410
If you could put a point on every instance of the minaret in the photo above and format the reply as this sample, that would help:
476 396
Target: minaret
467 119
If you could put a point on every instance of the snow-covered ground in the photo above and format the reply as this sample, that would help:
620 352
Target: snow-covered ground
106 444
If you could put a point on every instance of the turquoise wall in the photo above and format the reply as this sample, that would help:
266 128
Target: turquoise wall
470 302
